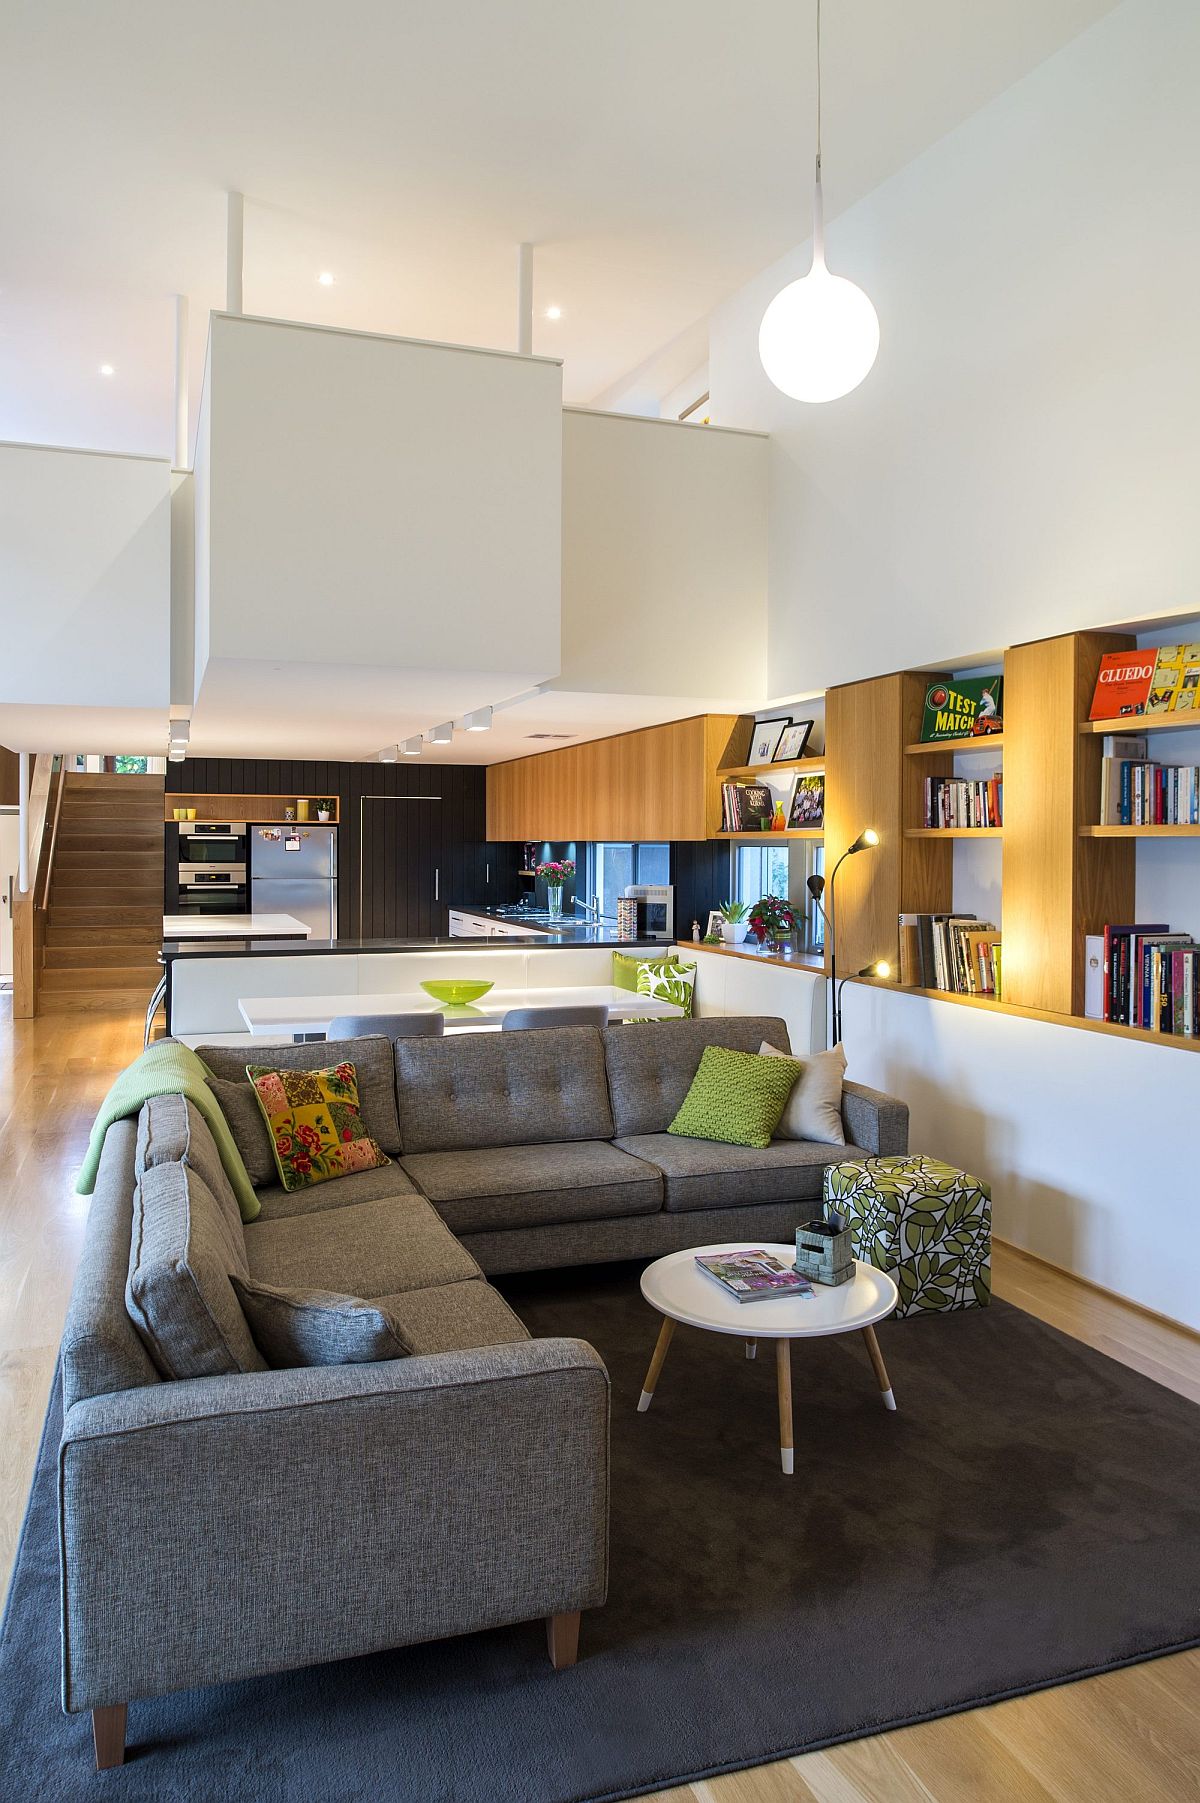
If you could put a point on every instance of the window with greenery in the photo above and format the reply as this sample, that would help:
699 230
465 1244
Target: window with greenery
130 766
782 870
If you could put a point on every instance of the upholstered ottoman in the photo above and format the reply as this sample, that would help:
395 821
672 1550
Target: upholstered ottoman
925 1222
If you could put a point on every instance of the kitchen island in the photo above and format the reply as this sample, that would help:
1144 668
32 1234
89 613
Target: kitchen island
207 980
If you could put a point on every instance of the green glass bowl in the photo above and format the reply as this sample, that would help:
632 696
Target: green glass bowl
455 992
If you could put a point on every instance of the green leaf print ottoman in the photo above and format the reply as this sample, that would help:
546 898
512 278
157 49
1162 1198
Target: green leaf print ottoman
927 1223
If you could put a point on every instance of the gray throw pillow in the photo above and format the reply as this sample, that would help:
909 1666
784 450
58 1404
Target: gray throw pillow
315 1327
239 1105
813 1111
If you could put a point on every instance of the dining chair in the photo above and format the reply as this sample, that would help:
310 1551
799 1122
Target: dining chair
591 1014
393 1026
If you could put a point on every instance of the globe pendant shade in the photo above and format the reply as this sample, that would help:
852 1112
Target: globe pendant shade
819 336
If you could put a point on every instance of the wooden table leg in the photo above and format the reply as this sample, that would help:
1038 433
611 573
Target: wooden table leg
751 1349
783 1368
108 1735
656 1364
885 1382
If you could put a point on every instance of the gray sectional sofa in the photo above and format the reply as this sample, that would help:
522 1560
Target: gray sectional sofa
221 1520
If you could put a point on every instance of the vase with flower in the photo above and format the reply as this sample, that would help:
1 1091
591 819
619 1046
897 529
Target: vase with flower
554 874
772 921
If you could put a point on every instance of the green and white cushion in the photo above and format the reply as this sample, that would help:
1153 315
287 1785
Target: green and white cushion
670 979
927 1223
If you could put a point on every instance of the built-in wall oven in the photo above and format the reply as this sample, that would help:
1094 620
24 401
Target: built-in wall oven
213 842
208 873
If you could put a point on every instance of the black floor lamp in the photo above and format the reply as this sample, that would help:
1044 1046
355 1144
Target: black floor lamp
866 841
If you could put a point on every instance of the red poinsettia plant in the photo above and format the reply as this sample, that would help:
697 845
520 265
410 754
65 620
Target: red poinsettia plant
556 871
770 916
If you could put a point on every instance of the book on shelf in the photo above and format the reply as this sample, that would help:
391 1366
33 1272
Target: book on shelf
753 1276
744 806
969 708
1093 976
807 805
953 801
953 952
1139 792
1166 681
1152 979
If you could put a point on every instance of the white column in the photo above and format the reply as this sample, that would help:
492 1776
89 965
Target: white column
525 299
181 381
23 822
234 211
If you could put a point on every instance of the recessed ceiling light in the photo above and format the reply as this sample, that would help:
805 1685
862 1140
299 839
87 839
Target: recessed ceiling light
106 369
553 312
326 278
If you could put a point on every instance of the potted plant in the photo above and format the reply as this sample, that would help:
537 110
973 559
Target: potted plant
771 918
735 923
555 872
325 808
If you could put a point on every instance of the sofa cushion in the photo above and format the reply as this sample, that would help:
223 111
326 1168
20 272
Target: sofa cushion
530 1186
388 1182
316 1124
239 1105
454 1317
651 1064
701 1173
371 1057
736 1097
502 1089
173 1131
183 1252
814 1108
670 979
372 1249
315 1327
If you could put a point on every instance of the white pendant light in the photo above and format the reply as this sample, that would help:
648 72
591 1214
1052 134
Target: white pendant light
820 335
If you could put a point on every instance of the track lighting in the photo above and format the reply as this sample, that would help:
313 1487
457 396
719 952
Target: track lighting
388 755
412 747
478 721
442 735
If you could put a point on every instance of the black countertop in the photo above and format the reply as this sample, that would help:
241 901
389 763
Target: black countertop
568 934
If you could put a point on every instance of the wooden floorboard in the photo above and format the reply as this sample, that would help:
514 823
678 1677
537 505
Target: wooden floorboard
1128 1737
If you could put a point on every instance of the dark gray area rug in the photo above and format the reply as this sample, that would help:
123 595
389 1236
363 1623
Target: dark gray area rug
1030 1515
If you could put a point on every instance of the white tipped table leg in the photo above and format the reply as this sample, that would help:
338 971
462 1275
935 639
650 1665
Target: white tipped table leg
885 1382
656 1364
751 1349
783 1370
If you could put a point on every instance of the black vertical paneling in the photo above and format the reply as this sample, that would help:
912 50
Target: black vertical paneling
700 874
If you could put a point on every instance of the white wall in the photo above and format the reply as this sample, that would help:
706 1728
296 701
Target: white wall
85 583
665 551
1023 459
377 501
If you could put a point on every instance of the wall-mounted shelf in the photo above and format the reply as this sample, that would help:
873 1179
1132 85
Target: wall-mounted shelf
975 747
1173 1042
744 772
954 832
792 832
267 810
1139 723
1139 832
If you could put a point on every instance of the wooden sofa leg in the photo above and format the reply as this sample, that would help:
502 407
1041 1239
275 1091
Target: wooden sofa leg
562 1639
108 1732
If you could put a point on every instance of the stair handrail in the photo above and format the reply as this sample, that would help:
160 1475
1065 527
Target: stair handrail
58 801
28 921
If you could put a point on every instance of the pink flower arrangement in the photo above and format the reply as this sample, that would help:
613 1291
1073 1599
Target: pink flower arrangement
556 871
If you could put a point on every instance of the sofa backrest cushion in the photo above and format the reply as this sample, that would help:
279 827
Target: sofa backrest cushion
317 1327
238 1103
471 1090
183 1251
371 1057
651 1064
101 1351
173 1131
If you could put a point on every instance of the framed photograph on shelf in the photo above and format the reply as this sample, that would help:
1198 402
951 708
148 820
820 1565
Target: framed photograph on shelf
714 923
764 739
807 806
792 741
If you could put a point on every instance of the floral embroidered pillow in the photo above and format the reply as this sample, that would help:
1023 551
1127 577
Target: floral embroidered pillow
315 1123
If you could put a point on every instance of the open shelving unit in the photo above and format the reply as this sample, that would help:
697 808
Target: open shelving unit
260 810
784 767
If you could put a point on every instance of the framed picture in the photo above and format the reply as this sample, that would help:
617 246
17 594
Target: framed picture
714 923
807 806
764 739
792 741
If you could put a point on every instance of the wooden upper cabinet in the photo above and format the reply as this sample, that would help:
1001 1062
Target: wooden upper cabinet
657 783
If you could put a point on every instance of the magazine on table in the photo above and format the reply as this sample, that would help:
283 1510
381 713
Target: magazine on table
754 1276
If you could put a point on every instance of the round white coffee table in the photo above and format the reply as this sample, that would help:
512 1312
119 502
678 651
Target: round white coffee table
681 1292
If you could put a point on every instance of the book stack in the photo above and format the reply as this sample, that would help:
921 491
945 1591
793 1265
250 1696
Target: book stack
1150 977
951 801
1135 791
745 806
954 952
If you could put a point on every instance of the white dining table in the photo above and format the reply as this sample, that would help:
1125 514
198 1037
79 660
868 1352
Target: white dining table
276 1014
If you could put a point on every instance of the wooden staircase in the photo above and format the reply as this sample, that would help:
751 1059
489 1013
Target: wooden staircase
106 895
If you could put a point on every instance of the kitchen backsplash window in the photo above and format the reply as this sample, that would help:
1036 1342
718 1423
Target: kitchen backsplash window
611 865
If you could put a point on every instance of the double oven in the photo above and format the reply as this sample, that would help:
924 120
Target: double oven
209 868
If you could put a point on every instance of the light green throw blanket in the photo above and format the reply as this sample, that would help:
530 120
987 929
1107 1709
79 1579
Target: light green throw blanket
168 1069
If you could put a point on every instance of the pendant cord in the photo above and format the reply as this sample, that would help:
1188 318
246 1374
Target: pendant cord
818 87
818 198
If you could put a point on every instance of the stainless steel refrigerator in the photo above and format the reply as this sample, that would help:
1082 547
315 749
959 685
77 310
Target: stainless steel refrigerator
293 870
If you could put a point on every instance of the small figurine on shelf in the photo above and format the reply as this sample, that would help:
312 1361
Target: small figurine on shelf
695 932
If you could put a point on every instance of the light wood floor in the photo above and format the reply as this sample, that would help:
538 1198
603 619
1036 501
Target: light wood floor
1131 1737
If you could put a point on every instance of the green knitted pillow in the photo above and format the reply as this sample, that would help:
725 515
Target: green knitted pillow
736 1097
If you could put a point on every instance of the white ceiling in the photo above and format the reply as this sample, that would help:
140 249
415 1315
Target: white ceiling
657 151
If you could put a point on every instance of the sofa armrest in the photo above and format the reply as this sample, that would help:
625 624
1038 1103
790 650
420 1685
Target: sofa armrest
224 1527
875 1121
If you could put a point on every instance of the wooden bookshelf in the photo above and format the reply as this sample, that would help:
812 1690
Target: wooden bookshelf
990 742
1139 832
1187 722
745 772
954 832
816 833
